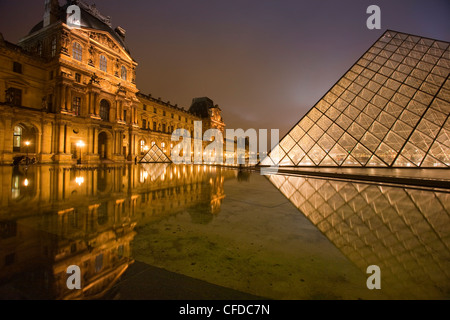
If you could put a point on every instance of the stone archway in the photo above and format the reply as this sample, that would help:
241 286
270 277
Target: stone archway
104 146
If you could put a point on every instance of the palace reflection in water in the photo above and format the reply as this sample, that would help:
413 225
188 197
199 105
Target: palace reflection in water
226 227
55 216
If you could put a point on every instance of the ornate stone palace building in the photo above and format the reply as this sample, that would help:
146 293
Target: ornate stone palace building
70 93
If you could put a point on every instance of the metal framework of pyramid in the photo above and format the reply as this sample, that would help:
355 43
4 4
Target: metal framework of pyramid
155 155
391 109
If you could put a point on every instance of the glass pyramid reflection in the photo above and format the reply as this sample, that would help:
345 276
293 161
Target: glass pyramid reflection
391 109
405 231
155 155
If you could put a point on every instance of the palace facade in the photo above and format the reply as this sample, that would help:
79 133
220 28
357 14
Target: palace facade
69 94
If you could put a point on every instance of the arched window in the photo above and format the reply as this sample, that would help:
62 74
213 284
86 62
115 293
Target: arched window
104 110
17 138
123 73
103 63
142 145
153 143
77 52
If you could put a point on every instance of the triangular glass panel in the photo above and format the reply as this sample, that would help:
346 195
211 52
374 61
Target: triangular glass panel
328 162
375 162
306 161
430 162
403 162
351 162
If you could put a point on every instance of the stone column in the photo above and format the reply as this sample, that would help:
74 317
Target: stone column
63 97
61 138
69 99
96 104
95 144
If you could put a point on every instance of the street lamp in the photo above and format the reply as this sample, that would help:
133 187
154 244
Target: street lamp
27 144
80 144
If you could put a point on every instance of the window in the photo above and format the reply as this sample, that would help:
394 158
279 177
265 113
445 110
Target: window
14 96
99 263
9 259
77 52
39 49
103 63
186 119
125 115
142 144
154 126
145 107
163 128
172 115
77 77
144 124
154 110
104 110
164 113
163 144
179 118
76 105
17 138
17 67
153 143
123 73
53 52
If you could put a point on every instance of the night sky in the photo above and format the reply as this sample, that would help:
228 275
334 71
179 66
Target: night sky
265 62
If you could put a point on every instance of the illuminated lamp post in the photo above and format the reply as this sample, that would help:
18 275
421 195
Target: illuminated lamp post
80 145
27 144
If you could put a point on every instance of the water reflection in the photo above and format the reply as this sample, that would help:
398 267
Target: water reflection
52 217
405 231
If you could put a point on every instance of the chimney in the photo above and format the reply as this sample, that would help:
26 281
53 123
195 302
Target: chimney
51 12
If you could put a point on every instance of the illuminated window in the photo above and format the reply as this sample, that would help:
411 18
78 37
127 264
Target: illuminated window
123 73
76 105
77 51
17 138
142 145
103 63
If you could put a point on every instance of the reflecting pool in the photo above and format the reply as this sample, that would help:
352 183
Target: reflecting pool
160 231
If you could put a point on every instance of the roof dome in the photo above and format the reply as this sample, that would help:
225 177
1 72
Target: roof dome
91 18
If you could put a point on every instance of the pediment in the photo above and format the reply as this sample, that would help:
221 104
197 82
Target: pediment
106 40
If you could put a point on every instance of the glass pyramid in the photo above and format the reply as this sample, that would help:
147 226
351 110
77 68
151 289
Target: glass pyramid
155 155
391 109
405 231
